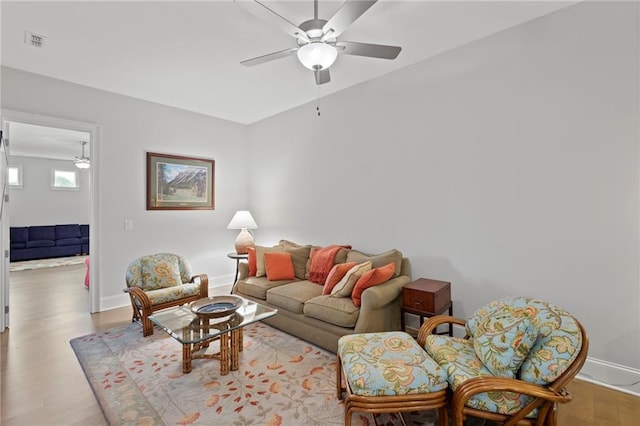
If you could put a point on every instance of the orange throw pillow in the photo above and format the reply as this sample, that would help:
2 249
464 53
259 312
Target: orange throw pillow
253 261
279 266
371 278
335 275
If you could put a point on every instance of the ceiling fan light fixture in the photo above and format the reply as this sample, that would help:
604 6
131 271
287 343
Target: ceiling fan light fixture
82 162
317 55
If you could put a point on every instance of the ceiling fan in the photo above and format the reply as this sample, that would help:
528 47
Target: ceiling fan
318 46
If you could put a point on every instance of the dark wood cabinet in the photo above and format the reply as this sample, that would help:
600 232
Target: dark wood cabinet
425 298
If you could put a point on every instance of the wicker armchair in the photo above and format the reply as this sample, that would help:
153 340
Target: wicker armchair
161 281
514 362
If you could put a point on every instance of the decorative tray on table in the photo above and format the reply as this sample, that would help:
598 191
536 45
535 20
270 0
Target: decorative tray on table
216 306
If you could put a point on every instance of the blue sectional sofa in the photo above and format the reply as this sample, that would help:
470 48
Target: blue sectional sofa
41 242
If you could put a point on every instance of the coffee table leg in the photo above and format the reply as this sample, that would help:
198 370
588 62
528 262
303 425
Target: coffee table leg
236 336
186 358
240 339
224 354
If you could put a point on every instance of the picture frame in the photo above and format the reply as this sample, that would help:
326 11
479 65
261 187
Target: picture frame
177 182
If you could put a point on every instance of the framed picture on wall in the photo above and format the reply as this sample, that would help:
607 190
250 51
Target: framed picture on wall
180 183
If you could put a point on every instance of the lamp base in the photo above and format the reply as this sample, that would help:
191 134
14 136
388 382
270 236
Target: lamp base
244 240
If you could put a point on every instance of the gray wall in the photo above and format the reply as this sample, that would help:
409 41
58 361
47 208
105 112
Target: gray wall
37 204
128 129
508 166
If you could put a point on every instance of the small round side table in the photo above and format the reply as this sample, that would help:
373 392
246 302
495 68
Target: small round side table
238 258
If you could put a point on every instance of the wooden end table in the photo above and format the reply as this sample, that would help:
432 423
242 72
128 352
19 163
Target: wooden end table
426 298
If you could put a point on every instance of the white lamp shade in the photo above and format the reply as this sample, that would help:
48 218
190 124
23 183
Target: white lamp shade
317 55
242 220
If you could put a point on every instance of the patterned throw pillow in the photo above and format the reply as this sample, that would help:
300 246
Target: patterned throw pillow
503 340
372 278
279 266
160 272
346 284
335 275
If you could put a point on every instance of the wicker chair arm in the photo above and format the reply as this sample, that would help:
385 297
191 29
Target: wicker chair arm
138 294
432 323
204 283
541 395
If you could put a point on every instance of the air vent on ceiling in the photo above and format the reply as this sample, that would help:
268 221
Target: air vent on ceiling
35 40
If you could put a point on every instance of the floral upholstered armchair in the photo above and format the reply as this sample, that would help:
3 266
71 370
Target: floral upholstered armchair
514 362
160 281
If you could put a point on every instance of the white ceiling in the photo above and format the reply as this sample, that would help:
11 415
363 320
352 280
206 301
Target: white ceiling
187 54
29 140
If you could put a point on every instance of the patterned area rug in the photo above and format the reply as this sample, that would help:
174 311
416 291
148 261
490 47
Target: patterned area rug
46 263
282 380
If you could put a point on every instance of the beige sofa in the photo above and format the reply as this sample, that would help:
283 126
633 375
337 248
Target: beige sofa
322 319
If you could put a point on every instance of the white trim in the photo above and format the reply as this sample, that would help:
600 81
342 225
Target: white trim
18 185
610 375
95 131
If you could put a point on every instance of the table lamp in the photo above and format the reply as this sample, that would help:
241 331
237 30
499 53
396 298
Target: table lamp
243 220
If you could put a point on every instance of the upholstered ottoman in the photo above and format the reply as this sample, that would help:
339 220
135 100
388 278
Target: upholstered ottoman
389 372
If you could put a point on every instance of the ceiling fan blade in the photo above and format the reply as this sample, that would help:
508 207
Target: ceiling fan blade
263 12
367 49
345 16
269 57
322 76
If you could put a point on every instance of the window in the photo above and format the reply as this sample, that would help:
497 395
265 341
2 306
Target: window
15 176
64 179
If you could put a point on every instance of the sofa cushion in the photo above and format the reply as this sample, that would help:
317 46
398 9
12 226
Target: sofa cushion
458 358
337 273
251 260
84 231
346 284
503 340
338 311
68 241
260 251
322 260
258 286
341 257
18 245
170 294
279 266
389 363
371 278
378 260
292 296
557 345
299 257
19 234
67 231
40 243
40 233
160 272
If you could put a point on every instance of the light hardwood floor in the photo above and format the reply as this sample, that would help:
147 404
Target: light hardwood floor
41 382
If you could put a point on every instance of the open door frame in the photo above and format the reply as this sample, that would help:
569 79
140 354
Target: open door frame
7 117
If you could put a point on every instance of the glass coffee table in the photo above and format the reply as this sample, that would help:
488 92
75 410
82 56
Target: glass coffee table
195 333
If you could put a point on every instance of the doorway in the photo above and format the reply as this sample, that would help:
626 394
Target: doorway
54 145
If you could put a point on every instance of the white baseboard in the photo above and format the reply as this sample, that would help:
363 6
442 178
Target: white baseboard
610 375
